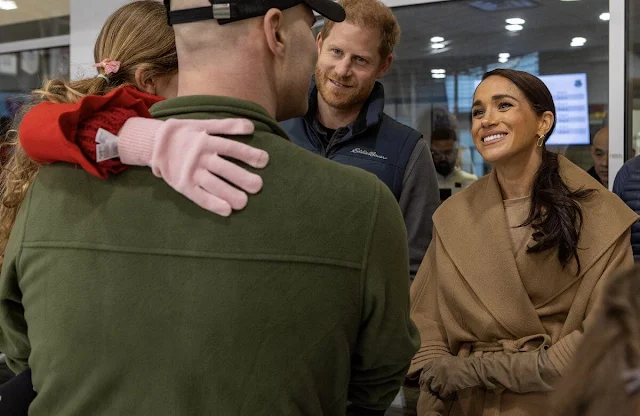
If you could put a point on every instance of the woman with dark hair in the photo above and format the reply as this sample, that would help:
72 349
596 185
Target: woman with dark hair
516 264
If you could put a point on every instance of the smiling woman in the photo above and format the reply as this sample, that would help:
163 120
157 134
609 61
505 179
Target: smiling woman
513 117
499 322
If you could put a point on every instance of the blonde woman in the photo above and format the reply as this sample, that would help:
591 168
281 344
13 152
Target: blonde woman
137 67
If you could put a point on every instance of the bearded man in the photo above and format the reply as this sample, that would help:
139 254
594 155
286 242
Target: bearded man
346 121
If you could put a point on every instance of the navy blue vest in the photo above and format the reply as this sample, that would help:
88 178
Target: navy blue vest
627 187
374 142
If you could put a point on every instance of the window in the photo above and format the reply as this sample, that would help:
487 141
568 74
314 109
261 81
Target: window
34 46
634 75
447 46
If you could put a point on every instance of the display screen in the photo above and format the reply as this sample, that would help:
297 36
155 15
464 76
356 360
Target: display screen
569 93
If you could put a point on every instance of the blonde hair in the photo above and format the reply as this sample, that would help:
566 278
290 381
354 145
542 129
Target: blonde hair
594 384
370 13
138 36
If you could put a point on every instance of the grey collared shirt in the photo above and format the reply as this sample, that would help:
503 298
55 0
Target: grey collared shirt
419 199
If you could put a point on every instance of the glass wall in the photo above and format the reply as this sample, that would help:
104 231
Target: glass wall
447 46
634 75
34 46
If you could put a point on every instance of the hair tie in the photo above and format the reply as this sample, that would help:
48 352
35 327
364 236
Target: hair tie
109 66
103 76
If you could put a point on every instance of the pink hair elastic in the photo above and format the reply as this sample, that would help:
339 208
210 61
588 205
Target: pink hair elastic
110 66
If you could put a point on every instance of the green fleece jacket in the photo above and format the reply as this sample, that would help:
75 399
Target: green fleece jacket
124 298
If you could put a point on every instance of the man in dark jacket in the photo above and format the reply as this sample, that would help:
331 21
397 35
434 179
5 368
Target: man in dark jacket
123 297
627 187
346 122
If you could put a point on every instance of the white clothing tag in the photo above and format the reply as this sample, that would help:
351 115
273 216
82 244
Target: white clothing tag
106 145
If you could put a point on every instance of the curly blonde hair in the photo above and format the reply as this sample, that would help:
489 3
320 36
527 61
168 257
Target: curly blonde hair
138 36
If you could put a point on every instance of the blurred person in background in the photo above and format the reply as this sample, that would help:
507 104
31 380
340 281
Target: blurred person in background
604 378
600 155
445 152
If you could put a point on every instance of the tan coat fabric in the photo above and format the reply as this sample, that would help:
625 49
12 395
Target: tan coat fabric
469 296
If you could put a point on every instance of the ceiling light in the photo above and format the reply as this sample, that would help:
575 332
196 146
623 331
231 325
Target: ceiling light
438 71
8 5
578 41
605 16
503 60
438 76
515 21
569 0
437 45
437 39
504 55
513 28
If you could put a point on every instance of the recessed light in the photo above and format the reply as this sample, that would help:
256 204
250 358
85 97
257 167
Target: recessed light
503 60
437 39
437 45
605 16
438 76
513 28
438 71
579 41
504 55
8 5
515 21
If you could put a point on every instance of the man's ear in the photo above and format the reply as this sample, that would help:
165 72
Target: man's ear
384 66
143 83
274 31
319 42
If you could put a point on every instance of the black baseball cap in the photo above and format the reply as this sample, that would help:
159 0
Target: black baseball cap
227 11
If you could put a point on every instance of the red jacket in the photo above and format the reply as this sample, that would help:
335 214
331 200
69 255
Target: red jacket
66 132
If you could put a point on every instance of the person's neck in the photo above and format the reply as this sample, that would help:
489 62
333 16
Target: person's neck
334 118
228 78
516 175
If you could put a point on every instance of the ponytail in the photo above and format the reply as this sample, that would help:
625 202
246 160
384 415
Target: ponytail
61 91
555 214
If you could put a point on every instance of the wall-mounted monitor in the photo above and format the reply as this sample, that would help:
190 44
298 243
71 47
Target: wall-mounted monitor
569 93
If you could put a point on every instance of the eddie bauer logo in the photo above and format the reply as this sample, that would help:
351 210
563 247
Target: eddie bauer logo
364 152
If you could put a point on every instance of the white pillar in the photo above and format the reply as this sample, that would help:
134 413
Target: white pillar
617 87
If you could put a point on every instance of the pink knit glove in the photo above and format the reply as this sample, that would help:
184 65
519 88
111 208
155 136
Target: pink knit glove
186 154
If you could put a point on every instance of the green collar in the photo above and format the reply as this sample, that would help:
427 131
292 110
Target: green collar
209 106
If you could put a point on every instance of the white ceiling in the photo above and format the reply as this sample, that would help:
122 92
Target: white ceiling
549 27
29 10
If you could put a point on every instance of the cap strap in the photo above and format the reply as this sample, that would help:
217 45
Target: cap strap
219 10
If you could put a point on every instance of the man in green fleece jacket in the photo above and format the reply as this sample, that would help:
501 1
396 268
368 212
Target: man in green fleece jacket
124 298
